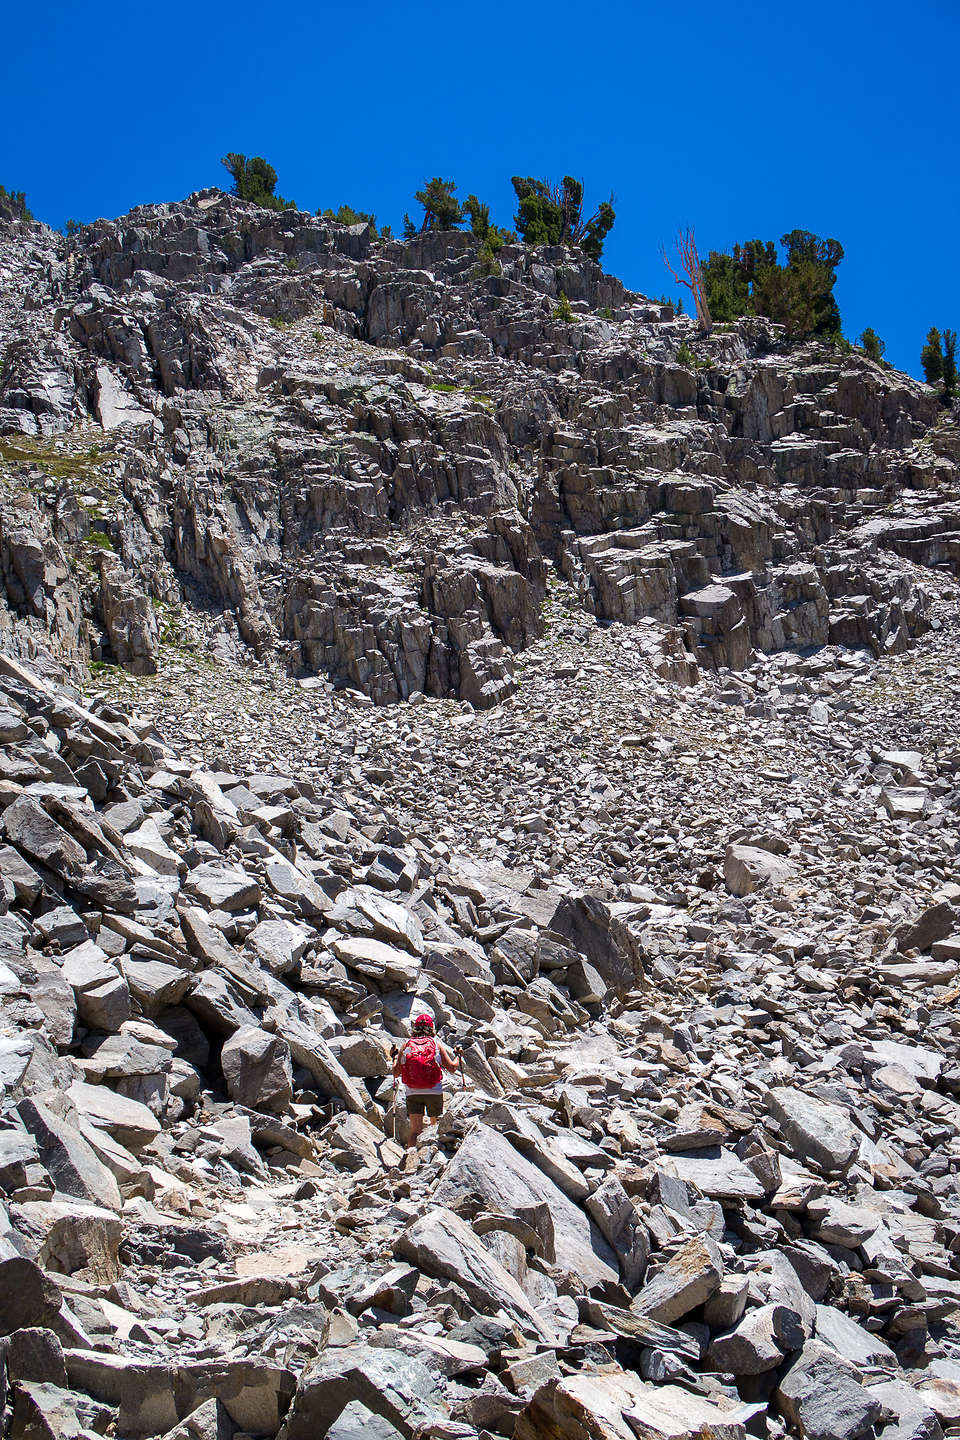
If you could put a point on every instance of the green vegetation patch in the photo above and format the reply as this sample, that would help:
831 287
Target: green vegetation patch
60 464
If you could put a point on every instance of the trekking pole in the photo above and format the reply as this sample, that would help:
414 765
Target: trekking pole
463 1078
393 1057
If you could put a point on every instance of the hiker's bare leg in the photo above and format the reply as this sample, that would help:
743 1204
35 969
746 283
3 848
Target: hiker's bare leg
416 1125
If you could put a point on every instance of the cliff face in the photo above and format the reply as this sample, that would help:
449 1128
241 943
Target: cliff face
360 457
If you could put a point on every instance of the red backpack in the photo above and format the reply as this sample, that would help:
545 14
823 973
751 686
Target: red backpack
420 1069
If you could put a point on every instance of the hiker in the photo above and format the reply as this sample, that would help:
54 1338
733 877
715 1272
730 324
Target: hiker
420 1063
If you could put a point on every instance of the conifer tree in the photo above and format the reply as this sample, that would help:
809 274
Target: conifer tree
931 357
441 208
255 180
346 215
479 216
553 215
797 294
13 205
871 344
727 291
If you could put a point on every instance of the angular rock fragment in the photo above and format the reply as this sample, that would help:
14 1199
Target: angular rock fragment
153 1398
822 1395
441 1244
684 1283
818 1132
396 1387
745 869
256 1068
760 1341
129 1122
28 1298
488 1168
68 1157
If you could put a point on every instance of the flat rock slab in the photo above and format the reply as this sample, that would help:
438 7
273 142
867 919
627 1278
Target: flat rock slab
66 1235
582 1407
128 1121
665 1412
851 1340
746 868
488 1168
618 1405
152 1398
442 1244
923 1064
816 1130
719 1177
222 887
683 1284
822 1396
72 1162
905 802
381 962
391 1385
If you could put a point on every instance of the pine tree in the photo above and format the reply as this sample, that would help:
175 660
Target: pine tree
255 180
346 215
479 216
553 215
931 357
871 344
441 208
797 294
492 238
597 229
811 269
13 205
728 294
563 311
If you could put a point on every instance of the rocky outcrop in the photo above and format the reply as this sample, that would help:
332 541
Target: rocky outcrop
360 454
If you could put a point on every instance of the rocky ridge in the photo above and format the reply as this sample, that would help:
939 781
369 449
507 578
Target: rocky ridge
363 457
682 884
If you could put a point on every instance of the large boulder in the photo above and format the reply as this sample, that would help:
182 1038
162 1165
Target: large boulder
746 868
488 1169
129 1122
817 1131
257 1070
822 1396
153 1396
683 1284
71 1161
65 1236
390 1384
442 1244
129 619
27 1296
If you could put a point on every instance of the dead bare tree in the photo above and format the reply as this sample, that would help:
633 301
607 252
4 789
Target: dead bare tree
690 263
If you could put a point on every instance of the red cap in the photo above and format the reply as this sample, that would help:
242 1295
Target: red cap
424 1020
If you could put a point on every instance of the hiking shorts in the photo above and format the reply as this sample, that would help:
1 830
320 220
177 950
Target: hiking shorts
425 1104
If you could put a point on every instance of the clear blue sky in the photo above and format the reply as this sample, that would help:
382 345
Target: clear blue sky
743 119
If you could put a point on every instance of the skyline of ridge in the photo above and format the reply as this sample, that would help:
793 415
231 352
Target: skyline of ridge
848 143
